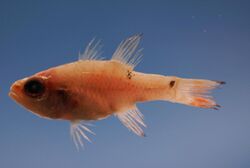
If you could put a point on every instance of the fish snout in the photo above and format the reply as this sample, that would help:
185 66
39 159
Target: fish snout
15 89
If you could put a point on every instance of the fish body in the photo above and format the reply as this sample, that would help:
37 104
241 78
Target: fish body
93 89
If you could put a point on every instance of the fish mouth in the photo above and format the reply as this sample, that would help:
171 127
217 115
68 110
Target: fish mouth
13 95
14 90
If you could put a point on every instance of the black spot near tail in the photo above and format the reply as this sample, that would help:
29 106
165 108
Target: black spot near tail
172 83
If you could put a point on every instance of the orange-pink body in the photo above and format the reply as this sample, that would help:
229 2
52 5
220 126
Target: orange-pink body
96 89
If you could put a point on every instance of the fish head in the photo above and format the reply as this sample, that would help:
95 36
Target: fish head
39 94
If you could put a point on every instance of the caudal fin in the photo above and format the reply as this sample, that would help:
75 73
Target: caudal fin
196 93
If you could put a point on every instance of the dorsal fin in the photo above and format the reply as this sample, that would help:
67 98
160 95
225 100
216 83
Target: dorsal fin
92 51
127 52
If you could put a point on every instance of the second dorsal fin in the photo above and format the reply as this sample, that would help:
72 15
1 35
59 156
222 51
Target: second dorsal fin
127 52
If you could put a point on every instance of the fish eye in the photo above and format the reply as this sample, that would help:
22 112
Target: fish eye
34 88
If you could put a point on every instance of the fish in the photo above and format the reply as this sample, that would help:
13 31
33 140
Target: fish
92 89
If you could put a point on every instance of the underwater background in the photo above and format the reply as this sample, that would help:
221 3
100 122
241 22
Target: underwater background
192 39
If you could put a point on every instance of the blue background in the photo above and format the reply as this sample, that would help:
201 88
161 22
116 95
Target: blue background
196 39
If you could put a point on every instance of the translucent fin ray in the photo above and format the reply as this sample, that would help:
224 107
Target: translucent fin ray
77 131
127 52
196 92
133 120
92 51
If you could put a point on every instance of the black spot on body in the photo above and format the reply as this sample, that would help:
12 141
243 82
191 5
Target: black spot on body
129 74
171 84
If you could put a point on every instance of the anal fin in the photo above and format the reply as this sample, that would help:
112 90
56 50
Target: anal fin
133 120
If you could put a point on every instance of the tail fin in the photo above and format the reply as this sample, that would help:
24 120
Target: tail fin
195 92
